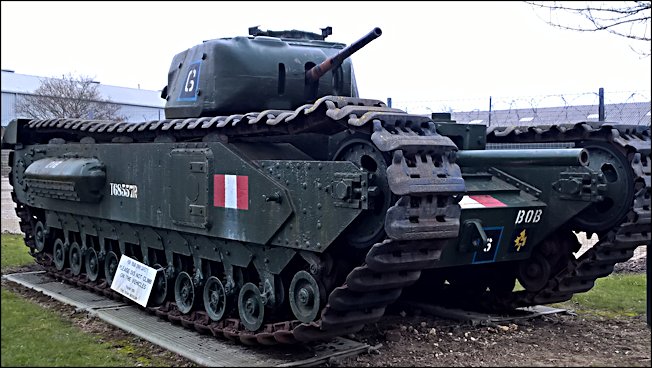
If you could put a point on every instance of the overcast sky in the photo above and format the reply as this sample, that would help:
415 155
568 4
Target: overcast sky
429 51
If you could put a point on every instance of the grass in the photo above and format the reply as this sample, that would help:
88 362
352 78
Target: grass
27 328
616 295
14 251
613 296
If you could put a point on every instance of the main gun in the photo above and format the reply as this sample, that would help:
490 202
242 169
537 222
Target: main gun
333 62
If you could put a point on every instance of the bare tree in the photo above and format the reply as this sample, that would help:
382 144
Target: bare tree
629 19
68 97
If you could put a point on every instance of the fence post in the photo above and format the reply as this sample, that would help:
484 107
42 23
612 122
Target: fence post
649 288
601 116
489 124
389 102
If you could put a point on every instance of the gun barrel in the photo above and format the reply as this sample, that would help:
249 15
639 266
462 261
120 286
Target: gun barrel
516 157
318 70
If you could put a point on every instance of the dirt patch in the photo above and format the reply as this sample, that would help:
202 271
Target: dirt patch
634 265
553 340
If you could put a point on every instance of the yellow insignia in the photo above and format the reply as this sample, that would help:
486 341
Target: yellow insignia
520 240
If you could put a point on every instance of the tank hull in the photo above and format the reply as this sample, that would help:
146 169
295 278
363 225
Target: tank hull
322 216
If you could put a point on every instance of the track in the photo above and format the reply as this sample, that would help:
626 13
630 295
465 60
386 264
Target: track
390 265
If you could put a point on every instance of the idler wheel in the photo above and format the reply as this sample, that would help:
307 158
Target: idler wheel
251 307
618 194
214 298
92 264
39 237
110 266
369 228
76 258
184 292
160 287
305 297
534 273
59 254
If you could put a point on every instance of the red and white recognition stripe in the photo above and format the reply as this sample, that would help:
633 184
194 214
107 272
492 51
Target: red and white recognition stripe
480 201
231 191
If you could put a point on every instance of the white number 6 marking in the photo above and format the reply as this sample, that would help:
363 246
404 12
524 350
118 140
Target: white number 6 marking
190 82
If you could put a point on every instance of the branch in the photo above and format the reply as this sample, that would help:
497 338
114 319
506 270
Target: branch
604 19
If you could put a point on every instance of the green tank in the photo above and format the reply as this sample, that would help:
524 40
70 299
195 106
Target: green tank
275 205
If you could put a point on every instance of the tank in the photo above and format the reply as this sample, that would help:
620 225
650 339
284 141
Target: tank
274 205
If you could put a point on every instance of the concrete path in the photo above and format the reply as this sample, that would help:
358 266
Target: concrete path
9 218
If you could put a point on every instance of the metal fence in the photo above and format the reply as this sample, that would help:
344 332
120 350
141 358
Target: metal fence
624 107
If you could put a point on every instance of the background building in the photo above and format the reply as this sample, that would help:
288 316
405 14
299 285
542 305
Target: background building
135 104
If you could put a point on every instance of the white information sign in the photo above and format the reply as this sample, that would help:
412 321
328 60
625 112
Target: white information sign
134 280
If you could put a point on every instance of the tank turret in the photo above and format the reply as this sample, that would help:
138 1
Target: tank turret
269 70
